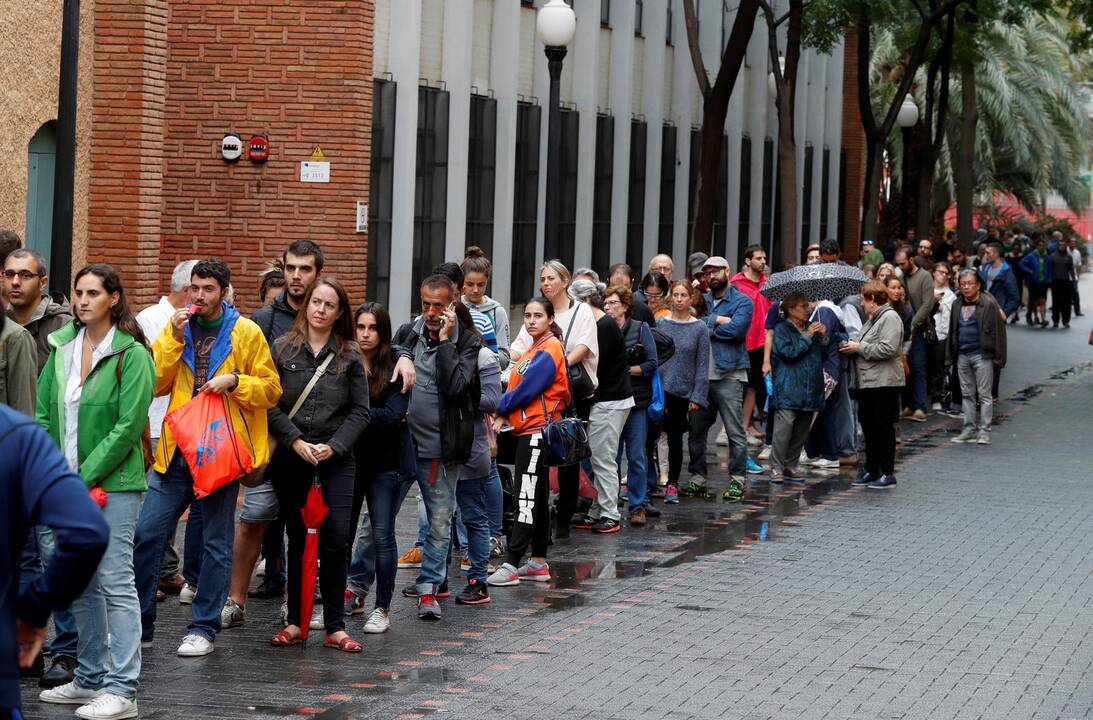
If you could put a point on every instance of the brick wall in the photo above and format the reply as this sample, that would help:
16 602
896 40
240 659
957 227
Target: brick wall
299 70
853 144
130 43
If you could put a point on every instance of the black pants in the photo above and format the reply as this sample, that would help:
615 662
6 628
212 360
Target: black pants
676 424
878 411
532 483
1075 298
292 482
569 478
1060 301
937 377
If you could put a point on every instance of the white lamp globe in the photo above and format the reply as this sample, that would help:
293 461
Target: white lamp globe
908 113
556 24
772 81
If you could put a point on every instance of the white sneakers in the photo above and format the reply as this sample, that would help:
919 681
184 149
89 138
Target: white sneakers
317 618
378 622
69 694
186 594
822 463
723 438
108 706
195 646
232 615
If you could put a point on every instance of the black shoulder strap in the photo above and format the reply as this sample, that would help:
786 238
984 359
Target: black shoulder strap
572 319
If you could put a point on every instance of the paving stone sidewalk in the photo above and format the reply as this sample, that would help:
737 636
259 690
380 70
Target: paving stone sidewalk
964 593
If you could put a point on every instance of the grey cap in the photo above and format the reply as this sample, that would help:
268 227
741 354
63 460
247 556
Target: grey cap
715 262
695 261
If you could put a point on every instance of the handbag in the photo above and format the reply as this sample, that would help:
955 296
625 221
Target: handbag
565 441
655 411
581 386
257 476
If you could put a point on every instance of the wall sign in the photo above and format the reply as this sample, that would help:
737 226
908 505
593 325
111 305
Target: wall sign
314 172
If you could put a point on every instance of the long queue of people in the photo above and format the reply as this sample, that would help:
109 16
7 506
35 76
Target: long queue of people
322 394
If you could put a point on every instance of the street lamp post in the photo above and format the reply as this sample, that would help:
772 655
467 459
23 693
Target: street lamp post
555 25
908 116
60 270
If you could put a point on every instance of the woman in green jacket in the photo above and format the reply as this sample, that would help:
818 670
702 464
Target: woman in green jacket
93 398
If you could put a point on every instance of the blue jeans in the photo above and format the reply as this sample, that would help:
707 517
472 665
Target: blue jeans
168 496
495 501
362 561
36 553
917 361
109 607
633 438
726 399
384 495
437 486
191 546
472 495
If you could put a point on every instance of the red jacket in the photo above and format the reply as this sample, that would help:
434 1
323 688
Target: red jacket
757 334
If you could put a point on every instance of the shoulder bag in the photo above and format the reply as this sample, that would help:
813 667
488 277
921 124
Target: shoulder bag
580 384
257 476
565 440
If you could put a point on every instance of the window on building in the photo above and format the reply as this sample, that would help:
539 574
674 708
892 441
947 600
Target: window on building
567 171
605 13
806 196
635 210
767 224
481 172
526 203
692 183
743 226
825 192
379 199
601 194
721 206
668 26
431 185
666 228
639 12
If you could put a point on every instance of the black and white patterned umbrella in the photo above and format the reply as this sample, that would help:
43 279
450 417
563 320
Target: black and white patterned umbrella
826 281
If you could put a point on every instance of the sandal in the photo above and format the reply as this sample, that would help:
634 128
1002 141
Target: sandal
286 639
346 644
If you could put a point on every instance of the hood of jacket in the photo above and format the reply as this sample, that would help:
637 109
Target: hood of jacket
487 305
49 307
222 346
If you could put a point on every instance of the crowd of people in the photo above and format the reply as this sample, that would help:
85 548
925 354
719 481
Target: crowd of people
325 395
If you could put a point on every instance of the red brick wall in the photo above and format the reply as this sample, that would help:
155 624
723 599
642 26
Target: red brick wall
299 70
853 142
130 50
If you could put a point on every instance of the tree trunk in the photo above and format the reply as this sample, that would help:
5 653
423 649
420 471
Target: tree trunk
871 191
789 240
715 109
964 172
925 214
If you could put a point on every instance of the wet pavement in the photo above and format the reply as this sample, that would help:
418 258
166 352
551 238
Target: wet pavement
964 593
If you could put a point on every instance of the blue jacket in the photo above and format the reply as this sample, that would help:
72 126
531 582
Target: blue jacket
798 369
39 489
1004 288
1030 264
727 340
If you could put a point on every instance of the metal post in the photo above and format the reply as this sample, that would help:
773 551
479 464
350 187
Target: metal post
551 244
64 181
905 192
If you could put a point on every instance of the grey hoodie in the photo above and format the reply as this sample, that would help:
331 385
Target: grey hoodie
500 317
48 317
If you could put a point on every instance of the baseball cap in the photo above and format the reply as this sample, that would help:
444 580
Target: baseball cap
715 262
696 260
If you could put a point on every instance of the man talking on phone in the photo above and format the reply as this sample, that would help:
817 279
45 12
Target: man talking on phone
441 419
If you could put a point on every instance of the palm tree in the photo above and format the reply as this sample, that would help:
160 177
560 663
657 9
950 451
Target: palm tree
1034 131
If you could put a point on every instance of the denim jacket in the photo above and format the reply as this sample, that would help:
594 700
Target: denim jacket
727 340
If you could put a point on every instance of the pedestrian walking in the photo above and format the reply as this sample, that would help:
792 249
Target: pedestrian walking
445 350
40 489
93 399
641 357
581 343
878 355
611 406
685 376
1076 257
976 345
727 324
538 393
797 357
1061 269
1037 271
384 468
920 297
207 347
316 421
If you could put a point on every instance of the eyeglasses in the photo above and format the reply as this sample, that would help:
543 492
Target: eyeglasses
654 296
24 275
611 302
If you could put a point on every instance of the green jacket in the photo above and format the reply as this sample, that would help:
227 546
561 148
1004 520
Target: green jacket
112 418
18 367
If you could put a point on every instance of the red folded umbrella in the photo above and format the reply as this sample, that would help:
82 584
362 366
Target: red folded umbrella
313 512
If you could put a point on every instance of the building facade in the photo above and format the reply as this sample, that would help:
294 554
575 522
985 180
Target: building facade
460 134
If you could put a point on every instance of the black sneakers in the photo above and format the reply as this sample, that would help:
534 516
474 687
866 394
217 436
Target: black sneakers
411 590
884 482
582 522
863 478
605 525
475 593
62 671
